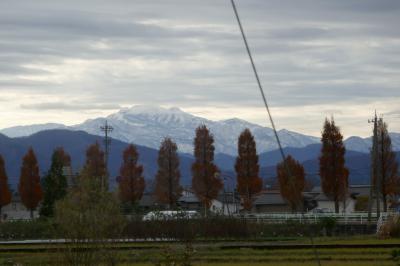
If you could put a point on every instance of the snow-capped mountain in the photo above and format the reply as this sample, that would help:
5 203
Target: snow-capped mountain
365 144
148 125
22 131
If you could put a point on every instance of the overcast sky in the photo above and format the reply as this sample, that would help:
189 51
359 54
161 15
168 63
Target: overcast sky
66 61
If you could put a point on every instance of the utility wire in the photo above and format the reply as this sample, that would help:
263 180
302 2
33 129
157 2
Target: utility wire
269 113
258 80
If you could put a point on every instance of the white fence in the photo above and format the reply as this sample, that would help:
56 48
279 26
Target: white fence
342 218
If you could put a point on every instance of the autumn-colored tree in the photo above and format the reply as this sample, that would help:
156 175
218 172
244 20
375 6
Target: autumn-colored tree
29 182
5 193
247 169
55 182
291 177
132 183
334 175
168 190
387 164
95 166
205 181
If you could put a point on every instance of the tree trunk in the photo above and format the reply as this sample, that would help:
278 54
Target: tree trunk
1 217
384 202
336 206
31 214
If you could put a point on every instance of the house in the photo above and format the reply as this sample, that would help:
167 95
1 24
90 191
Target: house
270 201
362 192
226 203
230 202
148 202
356 200
189 201
17 211
327 204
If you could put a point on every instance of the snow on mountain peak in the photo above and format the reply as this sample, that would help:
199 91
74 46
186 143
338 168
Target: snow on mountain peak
150 109
147 125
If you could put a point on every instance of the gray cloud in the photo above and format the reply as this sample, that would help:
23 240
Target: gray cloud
73 106
189 53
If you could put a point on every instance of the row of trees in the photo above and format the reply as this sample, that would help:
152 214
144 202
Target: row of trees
334 174
206 181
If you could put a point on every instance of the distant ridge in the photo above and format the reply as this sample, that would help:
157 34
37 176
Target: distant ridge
76 142
148 125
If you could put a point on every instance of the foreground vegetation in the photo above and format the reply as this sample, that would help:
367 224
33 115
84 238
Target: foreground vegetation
210 228
221 253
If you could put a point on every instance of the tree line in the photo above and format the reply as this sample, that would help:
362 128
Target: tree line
206 176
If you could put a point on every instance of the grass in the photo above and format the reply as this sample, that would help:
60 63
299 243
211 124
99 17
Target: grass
210 254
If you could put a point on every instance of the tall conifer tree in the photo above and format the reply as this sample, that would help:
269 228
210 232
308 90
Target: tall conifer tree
5 193
333 172
205 181
388 165
291 187
247 169
168 189
132 183
95 166
29 182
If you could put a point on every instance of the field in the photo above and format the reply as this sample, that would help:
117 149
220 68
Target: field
353 251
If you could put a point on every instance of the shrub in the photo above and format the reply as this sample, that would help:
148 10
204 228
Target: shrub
327 224
26 229
390 228
89 218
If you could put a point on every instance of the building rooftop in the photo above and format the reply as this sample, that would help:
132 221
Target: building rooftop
269 198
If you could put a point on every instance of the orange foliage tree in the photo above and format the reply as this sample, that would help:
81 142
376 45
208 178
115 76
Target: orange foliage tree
29 182
131 183
168 190
291 177
334 175
388 164
205 181
247 169
95 166
5 193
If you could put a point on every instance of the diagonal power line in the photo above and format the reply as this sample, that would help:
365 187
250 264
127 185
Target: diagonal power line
258 80
288 172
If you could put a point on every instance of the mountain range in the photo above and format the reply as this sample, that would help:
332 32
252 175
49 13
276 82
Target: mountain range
148 125
76 142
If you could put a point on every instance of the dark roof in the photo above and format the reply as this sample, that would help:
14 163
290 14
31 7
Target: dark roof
322 197
316 189
269 198
147 200
354 191
359 190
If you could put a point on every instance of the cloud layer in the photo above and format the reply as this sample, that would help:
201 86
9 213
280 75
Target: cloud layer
64 61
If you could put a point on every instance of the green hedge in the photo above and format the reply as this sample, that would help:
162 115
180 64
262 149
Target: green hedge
19 230
218 227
